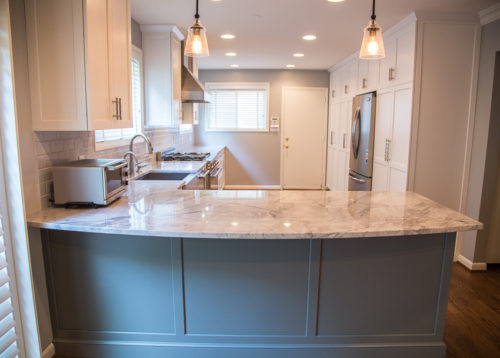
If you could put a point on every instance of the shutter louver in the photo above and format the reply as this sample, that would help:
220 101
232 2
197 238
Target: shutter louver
8 338
241 107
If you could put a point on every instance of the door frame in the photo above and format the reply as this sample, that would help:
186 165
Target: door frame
282 140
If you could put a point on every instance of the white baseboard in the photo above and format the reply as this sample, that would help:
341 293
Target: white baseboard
252 187
49 352
473 266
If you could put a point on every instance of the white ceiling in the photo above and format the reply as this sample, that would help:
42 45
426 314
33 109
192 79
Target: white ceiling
268 32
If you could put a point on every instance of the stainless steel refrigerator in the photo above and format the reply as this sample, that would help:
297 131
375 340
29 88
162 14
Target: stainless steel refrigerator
362 138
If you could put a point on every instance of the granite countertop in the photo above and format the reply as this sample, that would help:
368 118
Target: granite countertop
151 209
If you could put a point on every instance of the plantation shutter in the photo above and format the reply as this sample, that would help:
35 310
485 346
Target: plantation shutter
8 338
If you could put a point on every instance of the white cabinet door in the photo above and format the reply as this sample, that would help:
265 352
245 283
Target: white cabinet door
383 133
56 64
119 60
368 75
399 148
176 79
79 63
388 64
334 85
405 56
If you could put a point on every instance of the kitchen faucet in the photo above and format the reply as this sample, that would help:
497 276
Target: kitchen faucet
132 159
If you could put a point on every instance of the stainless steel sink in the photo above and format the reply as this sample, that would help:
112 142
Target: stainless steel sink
163 176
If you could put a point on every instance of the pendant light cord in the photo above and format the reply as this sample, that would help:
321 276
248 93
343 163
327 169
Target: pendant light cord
197 16
373 10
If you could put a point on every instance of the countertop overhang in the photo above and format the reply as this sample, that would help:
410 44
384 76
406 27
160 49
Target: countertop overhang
149 209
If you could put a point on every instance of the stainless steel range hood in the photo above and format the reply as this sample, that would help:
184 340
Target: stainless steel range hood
192 89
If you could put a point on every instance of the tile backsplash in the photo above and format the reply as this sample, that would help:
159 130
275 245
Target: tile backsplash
55 148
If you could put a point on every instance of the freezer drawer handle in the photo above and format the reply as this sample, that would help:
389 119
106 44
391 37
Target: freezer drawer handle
356 179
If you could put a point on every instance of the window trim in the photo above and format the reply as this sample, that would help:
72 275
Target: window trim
136 52
235 86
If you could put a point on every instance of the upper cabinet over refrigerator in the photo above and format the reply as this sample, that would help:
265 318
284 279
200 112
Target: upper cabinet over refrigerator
79 64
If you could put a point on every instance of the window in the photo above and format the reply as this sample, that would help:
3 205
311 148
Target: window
238 107
137 104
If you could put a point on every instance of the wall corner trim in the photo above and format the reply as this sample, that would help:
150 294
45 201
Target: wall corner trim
489 14
49 351
473 266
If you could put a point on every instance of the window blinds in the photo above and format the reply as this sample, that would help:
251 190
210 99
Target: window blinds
238 108
8 339
117 134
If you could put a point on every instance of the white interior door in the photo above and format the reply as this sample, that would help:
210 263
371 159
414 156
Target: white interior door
304 112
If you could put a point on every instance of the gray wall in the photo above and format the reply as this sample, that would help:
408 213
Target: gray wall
482 172
136 34
254 158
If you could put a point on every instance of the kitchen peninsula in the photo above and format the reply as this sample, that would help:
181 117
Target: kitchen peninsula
184 273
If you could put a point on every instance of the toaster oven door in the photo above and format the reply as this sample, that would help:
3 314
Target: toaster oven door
115 179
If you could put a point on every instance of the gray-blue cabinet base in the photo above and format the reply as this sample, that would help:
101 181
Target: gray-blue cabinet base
122 296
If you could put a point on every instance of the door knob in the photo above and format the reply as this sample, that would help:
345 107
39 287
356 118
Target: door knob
287 138
286 146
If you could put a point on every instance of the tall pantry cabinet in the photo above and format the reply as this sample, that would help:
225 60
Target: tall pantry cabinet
424 107
79 64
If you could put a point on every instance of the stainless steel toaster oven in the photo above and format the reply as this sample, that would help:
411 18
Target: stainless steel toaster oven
89 181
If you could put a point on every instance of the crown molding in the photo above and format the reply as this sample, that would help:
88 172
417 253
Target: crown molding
489 14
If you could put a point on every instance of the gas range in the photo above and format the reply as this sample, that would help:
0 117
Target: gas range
171 155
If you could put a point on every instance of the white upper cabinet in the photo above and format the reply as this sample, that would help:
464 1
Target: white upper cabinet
398 65
368 75
79 64
161 46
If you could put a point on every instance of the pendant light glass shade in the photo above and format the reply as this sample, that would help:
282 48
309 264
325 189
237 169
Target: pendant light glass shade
372 47
196 44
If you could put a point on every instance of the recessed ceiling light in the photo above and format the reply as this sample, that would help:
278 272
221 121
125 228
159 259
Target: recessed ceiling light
298 54
329 0
290 66
235 66
227 36
309 37
231 54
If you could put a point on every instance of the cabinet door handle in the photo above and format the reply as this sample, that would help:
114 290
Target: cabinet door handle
120 107
343 140
387 149
331 137
333 93
364 83
117 111
391 74
346 89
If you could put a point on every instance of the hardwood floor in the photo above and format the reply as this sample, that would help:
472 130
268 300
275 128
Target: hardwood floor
473 317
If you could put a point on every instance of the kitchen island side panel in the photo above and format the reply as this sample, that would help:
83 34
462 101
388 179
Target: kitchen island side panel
129 296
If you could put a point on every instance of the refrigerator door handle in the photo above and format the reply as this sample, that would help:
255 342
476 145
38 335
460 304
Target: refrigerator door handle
356 132
357 179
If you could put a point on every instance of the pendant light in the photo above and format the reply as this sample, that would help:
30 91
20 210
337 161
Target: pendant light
372 47
196 44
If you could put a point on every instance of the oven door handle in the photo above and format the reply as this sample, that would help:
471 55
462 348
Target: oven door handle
116 167
216 170
204 174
